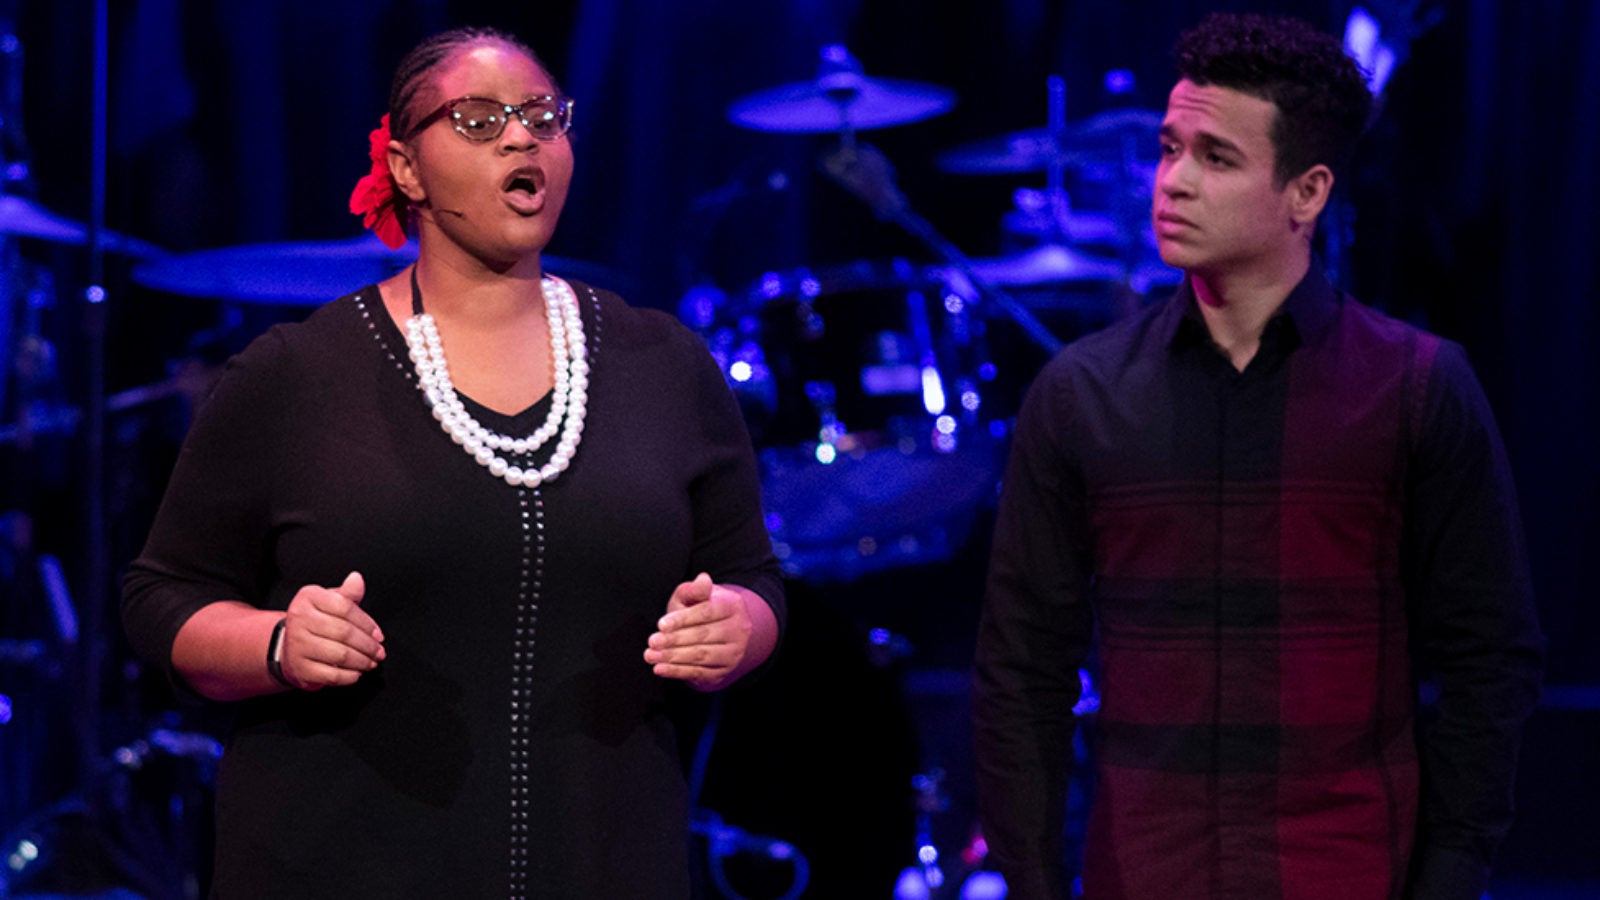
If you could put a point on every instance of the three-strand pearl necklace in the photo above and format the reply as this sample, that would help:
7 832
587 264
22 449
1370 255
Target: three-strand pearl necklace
568 400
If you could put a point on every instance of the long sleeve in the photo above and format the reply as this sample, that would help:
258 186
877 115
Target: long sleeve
209 539
730 533
1032 637
1474 629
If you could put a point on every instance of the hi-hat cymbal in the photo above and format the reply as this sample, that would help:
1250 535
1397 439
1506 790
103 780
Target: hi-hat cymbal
21 217
840 97
304 273
1099 146
1021 151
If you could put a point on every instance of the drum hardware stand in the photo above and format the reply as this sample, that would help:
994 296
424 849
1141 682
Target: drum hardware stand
97 568
864 171
724 840
728 840
1128 213
926 877
1055 172
822 395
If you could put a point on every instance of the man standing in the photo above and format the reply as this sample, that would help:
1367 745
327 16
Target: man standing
1264 502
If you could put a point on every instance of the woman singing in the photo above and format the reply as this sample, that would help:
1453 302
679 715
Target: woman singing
449 541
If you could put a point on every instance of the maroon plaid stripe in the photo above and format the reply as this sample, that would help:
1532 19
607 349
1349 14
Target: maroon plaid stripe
1255 721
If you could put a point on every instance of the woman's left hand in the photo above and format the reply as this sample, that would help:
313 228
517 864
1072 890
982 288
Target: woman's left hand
712 634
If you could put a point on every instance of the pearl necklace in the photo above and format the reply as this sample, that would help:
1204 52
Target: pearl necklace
569 395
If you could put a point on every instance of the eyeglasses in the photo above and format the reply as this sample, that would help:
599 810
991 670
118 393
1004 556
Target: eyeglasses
480 121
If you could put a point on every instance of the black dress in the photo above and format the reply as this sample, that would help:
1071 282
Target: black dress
514 742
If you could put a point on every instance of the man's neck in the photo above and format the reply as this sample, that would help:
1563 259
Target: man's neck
1236 306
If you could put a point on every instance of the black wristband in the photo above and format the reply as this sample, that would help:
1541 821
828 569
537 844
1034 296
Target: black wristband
274 663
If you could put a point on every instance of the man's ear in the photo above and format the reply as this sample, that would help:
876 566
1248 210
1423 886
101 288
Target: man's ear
405 173
1308 193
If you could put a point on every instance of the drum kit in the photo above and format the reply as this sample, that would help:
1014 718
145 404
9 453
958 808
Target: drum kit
878 391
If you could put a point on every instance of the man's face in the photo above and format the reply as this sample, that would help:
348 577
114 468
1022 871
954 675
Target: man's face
1217 210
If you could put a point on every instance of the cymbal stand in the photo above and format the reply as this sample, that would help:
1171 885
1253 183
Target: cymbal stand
724 840
839 80
1132 215
97 567
864 171
1055 172
1127 219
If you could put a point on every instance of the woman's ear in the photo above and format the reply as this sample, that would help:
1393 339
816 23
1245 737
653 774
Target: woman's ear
403 171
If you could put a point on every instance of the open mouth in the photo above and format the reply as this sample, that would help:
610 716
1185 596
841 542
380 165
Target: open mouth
527 181
523 190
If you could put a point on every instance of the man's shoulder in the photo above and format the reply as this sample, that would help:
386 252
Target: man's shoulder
1358 319
1128 342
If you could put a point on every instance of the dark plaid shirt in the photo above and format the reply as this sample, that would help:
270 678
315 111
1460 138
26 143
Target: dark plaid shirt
1260 557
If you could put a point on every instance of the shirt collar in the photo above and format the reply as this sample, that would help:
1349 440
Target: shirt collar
1310 308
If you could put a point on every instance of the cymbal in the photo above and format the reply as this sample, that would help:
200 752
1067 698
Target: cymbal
1076 227
803 107
1046 264
304 273
841 96
21 217
1094 146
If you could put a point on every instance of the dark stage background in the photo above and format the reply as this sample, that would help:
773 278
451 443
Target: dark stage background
1471 211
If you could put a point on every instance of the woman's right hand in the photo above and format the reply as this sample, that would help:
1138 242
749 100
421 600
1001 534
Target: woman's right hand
328 639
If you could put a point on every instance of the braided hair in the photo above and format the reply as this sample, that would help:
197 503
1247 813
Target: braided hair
410 77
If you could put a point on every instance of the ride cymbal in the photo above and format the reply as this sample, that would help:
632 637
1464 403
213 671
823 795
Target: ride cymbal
840 97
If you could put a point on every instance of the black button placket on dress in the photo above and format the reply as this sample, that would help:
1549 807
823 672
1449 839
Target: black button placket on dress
530 593
530 586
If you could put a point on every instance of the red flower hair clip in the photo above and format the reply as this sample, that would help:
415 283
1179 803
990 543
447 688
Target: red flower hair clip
376 198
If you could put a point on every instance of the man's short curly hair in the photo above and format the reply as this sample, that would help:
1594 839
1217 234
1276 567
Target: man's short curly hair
1321 95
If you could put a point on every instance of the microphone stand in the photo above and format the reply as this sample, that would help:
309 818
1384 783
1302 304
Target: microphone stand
864 171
